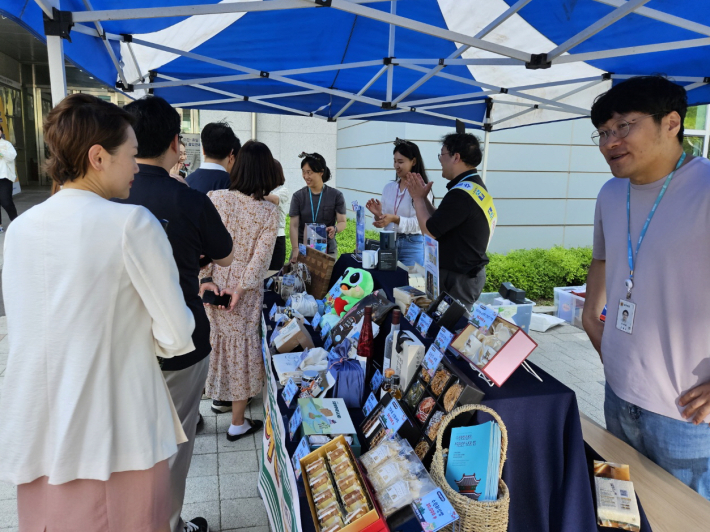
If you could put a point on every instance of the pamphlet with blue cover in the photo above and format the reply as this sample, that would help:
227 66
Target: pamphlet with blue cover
473 464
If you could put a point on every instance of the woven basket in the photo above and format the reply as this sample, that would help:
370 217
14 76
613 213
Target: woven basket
474 516
321 267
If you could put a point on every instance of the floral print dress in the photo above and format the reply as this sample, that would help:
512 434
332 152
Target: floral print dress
236 365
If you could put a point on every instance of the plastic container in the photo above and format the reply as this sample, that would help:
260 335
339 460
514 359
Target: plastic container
570 306
520 315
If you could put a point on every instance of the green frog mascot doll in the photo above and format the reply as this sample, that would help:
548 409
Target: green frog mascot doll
355 284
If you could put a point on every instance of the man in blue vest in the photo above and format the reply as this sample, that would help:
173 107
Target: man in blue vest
220 147
464 221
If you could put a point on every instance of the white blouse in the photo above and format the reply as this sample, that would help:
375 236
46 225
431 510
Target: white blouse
92 297
391 198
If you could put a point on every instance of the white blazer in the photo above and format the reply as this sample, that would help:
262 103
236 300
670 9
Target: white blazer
8 154
92 297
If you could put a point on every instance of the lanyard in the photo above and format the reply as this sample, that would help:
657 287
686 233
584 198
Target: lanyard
319 200
630 280
398 199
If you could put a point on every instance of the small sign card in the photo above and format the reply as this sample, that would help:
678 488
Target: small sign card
302 249
301 451
315 322
432 359
289 392
295 422
369 404
328 344
325 330
434 511
272 312
443 339
483 316
412 314
393 417
377 379
425 322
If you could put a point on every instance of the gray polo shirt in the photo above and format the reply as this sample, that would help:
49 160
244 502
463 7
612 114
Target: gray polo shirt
332 203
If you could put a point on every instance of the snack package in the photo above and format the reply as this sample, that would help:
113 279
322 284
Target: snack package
452 396
425 408
434 423
414 394
392 471
421 449
402 493
439 381
378 455
616 498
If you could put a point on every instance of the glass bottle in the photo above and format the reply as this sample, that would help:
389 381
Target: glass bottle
387 383
395 390
389 341
365 349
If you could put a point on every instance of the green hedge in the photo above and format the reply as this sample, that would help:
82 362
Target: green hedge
538 271
345 239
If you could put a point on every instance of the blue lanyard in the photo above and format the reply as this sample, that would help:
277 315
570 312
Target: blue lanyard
648 221
319 200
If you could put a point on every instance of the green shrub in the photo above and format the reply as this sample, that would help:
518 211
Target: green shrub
345 239
538 271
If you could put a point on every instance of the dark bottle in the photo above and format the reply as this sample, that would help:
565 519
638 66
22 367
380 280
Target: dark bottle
365 349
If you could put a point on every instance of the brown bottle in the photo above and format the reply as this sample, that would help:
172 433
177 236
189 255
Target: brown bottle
395 390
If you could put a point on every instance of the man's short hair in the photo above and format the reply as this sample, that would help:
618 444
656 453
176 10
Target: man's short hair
218 140
652 95
466 145
156 124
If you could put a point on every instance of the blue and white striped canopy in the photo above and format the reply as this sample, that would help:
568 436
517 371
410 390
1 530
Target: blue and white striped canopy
426 61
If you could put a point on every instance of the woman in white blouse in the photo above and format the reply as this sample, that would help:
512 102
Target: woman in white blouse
93 302
396 210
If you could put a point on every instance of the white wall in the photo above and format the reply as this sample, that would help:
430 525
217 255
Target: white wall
286 137
544 178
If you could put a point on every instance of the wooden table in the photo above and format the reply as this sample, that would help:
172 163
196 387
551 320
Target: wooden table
670 505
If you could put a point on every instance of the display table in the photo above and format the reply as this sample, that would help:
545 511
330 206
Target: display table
547 470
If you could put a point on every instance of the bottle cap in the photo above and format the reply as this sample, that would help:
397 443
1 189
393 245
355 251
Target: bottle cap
395 380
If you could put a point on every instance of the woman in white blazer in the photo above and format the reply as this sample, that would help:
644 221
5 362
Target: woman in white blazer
93 302
8 176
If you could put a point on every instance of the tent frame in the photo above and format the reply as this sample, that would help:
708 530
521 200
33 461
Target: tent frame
59 23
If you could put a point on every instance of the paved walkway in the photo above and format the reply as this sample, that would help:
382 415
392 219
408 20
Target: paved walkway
222 485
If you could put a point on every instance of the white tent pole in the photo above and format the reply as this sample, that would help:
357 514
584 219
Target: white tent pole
109 49
599 25
695 85
189 11
663 17
427 29
44 6
390 52
470 95
485 31
486 144
450 61
362 91
57 70
378 113
632 50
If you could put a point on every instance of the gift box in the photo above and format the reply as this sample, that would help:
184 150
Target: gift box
500 365
292 335
406 295
406 356
373 520
449 317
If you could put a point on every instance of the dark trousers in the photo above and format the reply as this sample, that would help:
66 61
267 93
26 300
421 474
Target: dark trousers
279 256
464 288
6 199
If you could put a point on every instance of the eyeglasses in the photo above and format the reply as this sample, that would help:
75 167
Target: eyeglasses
447 153
620 130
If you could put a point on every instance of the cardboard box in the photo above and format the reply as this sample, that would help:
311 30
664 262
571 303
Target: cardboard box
372 521
507 359
292 335
406 360
405 295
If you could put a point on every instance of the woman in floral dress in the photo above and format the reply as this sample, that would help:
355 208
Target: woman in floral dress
236 366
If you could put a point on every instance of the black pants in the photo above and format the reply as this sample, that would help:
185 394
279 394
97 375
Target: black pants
279 256
464 288
6 199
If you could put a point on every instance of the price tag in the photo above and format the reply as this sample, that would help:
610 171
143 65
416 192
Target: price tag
295 422
325 330
432 359
393 417
377 379
328 343
443 339
369 404
272 312
434 511
301 451
483 316
269 282
289 392
424 324
302 249
316 321
412 314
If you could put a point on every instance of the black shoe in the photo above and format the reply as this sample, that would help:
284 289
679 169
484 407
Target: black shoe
198 524
256 426
221 407
200 423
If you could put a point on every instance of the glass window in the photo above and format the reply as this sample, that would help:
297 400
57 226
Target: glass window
696 117
693 145
186 125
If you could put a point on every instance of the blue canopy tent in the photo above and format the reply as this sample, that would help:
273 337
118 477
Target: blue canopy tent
491 64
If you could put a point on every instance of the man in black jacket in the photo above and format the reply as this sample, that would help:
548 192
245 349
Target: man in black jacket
194 228
220 147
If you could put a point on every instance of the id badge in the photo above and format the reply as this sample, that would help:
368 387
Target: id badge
625 316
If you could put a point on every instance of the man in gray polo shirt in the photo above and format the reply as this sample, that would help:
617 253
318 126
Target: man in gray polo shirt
651 254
